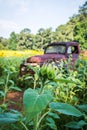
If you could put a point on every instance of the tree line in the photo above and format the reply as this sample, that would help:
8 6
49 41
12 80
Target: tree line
74 30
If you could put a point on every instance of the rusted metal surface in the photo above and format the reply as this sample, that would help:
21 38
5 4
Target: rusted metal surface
54 51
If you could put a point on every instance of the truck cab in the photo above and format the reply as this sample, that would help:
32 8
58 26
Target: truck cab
56 51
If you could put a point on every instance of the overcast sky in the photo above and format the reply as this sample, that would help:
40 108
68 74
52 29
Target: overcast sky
16 15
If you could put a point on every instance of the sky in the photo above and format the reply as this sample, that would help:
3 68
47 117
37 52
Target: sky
15 15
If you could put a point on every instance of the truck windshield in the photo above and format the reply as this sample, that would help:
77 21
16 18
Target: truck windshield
60 49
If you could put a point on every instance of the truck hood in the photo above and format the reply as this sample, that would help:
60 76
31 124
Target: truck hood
45 57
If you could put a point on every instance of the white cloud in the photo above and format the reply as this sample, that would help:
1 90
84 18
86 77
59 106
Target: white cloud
6 27
5 24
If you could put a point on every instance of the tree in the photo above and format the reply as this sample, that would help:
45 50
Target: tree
25 39
83 9
43 37
13 41
65 32
3 43
80 30
26 31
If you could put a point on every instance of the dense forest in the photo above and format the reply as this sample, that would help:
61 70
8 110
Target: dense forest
74 30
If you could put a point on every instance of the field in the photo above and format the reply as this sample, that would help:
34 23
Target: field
53 98
7 53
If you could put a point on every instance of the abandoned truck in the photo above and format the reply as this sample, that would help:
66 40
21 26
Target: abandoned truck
53 52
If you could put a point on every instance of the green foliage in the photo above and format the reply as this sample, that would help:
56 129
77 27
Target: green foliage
83 107
83 122
81 67
3 43
52 97
6 85
13 40
12 64
8 79
65 109
10 117
50 103
80 32
34 102
76 125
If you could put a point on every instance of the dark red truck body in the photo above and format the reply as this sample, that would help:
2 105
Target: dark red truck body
53 52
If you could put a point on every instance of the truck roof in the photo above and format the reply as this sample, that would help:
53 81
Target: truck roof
64 43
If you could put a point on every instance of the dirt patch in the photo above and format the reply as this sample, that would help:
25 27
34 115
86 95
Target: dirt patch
14 101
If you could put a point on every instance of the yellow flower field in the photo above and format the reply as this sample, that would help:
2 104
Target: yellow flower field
26 53
8 53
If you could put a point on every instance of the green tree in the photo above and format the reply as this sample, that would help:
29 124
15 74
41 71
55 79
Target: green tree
64 32
13 41
43 37
3 43
25 39
80 30
26 31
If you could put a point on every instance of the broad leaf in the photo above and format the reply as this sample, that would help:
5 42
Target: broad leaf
65 109
83 107
76 125
34 103
9 118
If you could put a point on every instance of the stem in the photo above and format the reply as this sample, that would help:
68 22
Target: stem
35 123
34 84
41 119
4 99
6 89
7 80
67 94
24 125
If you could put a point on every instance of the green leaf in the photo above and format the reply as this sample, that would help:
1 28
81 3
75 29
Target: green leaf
62 80
51 123
0 110
15 88
2 83
76 125
65 109
32 68
83 107
43 70
54 84
12 82
34 103
28 77
54 115
36 76
2 93
9 118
